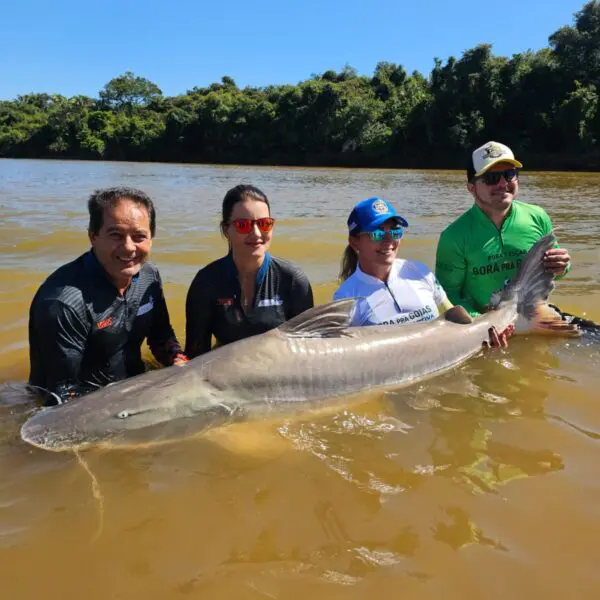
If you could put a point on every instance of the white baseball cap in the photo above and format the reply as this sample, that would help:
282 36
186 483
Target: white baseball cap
490 154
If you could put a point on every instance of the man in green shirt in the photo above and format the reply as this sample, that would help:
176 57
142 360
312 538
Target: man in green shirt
481 251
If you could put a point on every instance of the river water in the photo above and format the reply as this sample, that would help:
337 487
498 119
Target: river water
481 483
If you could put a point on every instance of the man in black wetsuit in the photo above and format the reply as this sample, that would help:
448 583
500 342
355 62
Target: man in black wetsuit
89 318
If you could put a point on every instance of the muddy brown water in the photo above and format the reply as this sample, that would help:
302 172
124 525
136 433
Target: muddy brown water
481 483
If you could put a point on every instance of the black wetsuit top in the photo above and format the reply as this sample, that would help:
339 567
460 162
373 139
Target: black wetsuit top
213 305
83 334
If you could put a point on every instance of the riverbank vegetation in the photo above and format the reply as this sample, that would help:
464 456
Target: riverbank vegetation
544 103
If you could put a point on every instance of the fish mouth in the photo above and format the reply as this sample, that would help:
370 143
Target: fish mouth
45 437
52 442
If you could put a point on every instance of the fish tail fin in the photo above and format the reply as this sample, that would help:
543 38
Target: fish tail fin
530 290
532 285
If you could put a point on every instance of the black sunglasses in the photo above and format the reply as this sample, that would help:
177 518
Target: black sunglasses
493 177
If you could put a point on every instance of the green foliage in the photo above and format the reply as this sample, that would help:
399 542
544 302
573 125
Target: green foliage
577 49
576 118
543 102
128 91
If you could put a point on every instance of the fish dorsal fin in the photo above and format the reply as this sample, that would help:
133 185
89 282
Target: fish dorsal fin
458 314
325 320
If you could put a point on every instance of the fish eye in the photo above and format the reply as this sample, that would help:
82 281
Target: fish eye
124 414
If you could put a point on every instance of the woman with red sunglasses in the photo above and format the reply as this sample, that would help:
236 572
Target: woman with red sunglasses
248 291
391 290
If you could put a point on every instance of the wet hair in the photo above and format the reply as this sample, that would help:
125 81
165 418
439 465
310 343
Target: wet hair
349 263
240 193
104 198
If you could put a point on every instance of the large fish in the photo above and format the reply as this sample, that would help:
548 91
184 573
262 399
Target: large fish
311 360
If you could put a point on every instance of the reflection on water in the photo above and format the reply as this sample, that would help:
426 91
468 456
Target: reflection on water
481 482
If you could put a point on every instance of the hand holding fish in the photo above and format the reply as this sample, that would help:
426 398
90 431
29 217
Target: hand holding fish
499 339
556 261
180 359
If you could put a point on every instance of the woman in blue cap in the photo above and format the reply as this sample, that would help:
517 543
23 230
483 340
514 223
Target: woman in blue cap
392 290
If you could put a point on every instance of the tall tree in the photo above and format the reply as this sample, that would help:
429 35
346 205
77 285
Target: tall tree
578 48
128 91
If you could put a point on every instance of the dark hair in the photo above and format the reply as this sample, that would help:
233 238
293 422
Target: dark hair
240 193
349 263
470 169
102 199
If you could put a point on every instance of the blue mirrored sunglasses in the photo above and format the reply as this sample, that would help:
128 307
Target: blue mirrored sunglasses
378 235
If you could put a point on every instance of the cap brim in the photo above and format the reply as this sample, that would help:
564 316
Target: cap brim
510 161
383 219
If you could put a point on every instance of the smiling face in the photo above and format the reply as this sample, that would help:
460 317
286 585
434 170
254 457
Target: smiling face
376 258
253 245
495 199
124 241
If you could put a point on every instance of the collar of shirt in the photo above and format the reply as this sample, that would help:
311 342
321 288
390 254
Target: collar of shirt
261 273
482 218
375 281
93 267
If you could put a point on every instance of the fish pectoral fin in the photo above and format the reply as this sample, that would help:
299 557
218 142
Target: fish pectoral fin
458 314
325 320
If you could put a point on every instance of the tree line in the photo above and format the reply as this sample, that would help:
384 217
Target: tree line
543 103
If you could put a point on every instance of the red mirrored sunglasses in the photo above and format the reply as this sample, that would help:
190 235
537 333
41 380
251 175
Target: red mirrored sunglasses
247 225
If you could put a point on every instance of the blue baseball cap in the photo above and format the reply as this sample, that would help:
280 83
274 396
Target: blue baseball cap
369 214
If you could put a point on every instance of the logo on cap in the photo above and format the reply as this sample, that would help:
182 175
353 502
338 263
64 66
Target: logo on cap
492 151
380 207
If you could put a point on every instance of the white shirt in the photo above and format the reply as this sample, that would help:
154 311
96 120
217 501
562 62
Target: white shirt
411 294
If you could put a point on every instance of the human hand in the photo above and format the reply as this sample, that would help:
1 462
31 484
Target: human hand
557 327
556 261
499 339
180 359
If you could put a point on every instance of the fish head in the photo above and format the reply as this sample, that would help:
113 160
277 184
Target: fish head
154 407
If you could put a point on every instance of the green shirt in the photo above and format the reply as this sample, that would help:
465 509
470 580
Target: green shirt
474 258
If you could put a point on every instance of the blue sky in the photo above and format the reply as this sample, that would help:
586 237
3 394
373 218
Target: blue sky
74 47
